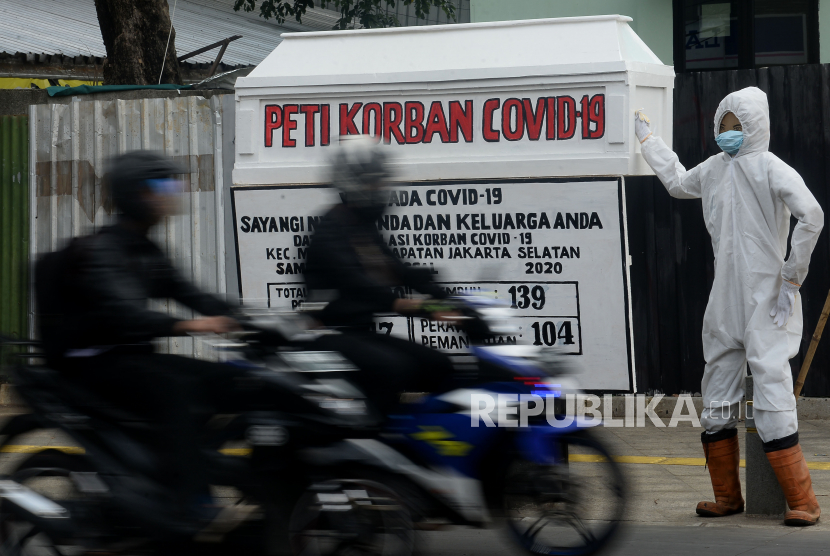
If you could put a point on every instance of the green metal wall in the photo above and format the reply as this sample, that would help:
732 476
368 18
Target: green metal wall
14 225
652 18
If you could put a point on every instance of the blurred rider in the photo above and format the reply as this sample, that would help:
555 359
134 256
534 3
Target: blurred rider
96 325
350 266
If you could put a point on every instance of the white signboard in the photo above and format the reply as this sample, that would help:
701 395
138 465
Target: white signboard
552 248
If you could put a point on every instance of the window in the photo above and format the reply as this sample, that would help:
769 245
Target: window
744 34
781 32
711 35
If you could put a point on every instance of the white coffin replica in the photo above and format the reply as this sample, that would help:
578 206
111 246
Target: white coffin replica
502 131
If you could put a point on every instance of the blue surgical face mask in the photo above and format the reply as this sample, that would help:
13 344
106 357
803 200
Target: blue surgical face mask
730 141
165 186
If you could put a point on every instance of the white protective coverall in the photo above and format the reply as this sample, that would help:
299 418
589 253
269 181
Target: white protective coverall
747 201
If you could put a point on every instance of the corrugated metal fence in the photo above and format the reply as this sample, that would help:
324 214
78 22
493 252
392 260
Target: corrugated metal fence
673 267
14 224
70 144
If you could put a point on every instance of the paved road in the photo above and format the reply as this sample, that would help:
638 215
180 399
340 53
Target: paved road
662 500
653 540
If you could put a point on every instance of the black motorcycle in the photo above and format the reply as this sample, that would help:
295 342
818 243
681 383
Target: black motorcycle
106 495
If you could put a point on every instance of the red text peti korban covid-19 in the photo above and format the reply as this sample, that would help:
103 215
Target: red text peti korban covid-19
410 122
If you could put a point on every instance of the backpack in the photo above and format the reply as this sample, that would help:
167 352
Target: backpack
56 299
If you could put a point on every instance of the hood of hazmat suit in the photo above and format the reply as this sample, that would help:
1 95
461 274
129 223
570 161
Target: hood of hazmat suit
747 202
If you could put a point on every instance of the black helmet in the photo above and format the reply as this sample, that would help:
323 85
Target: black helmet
127 177
356 166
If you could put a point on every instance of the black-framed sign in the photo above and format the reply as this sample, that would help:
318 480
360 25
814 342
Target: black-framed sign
554 249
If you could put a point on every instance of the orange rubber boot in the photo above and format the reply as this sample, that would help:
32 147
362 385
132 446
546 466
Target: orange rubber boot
723 458
794 477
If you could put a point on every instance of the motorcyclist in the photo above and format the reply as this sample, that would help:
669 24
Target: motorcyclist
96 326
349 266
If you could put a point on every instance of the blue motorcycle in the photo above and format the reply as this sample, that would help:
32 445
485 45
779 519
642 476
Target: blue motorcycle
348 487
526 463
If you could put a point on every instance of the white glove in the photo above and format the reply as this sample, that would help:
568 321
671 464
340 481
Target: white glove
784 307
641 126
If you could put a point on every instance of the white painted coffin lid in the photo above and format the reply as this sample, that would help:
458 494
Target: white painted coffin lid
561 46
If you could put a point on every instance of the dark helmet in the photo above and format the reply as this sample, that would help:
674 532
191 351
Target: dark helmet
357 166
127 177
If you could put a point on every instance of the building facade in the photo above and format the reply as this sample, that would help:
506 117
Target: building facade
698 35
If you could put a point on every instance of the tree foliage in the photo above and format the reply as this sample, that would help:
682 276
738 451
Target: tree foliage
368 14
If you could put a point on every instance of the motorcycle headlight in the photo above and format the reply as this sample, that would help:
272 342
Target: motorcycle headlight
340 406
317 361
499 320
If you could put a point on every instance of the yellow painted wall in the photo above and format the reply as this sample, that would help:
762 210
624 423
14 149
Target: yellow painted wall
25 83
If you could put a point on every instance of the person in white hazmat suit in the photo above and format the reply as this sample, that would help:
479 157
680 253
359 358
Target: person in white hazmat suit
754 310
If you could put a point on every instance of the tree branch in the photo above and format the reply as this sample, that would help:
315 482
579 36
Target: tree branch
367 13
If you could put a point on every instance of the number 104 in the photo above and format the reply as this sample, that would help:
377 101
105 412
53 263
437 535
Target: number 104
546 333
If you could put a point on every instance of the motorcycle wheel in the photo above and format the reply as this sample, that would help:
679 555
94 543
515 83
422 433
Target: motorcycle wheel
351 517
570 508
48 474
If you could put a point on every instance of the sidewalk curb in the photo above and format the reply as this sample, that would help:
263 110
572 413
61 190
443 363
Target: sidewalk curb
808 408
9 397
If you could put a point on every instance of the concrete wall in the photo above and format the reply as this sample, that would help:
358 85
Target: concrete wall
824 31
652 18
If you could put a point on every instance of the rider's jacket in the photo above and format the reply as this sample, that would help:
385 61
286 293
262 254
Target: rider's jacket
95 292
350 266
